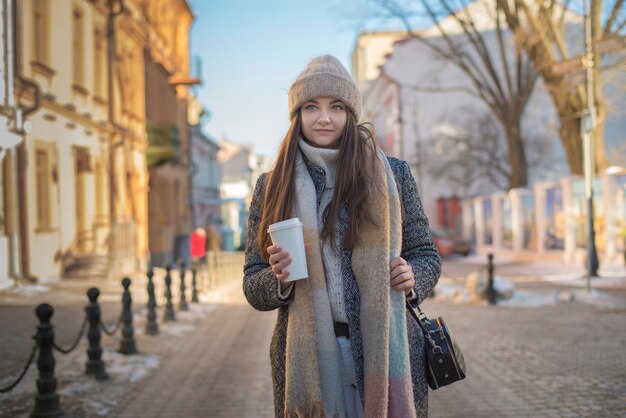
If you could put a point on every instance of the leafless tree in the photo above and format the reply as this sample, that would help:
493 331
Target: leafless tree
541 29
501 73
469 152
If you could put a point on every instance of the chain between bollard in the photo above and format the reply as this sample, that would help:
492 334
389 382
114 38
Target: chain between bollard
26 367
80 335
114 330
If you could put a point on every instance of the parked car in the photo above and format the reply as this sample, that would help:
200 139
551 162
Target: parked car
449 242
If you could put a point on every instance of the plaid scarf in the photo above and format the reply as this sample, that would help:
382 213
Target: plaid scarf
313 384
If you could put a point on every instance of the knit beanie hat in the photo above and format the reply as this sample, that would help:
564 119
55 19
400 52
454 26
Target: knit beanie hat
324 76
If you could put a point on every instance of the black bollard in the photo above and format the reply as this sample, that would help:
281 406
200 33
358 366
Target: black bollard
152 328
194 284
127 345
183 299
169 306
94 365
47 403
491 292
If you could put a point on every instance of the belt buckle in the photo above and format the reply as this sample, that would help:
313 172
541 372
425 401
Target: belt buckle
341 330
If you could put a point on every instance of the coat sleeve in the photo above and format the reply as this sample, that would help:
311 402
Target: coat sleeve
260 284
418 248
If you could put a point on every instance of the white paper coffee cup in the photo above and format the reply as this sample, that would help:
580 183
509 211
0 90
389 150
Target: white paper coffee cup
289 235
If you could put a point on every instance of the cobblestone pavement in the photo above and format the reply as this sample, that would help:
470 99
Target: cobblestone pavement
556 360
565 360
68 297
222 370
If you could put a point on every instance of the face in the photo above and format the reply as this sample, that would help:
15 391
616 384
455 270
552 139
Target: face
323 121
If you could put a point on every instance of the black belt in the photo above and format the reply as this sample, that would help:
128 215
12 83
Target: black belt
341 329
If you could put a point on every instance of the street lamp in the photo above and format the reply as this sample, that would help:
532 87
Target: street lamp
587 127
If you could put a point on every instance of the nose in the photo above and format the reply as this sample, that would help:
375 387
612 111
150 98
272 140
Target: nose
324 119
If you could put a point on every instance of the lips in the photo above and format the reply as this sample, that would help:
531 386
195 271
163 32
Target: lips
323 131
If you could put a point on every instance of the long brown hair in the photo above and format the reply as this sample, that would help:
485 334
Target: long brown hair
357 158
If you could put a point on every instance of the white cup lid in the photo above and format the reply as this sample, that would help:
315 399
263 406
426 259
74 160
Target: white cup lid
288 223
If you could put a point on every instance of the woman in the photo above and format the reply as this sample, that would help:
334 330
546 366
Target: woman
341 346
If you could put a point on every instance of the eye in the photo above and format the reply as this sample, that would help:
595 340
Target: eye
310 107
338 106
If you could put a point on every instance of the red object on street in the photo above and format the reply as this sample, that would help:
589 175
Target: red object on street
198 243
449 242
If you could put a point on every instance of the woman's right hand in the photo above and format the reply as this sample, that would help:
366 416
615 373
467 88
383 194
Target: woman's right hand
278 260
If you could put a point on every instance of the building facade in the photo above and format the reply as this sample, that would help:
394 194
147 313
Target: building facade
12 115
74 199
82 147
205 179
167 62
369 53
240 170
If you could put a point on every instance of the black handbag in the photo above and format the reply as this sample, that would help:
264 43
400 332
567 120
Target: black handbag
445 362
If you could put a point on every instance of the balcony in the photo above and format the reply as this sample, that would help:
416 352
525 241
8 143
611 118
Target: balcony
163 143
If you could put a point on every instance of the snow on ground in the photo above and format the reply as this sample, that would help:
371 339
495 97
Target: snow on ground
451 290
603 282
218 296
28 290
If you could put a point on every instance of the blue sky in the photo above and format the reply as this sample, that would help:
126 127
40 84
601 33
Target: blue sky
252 50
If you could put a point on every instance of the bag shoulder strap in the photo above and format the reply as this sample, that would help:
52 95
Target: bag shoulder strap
424 323
420 317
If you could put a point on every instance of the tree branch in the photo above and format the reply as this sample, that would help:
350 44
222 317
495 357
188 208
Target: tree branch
464 61
612 18
442 90
455 56
500 37
537 28
619 27
557 34
478 42
564 10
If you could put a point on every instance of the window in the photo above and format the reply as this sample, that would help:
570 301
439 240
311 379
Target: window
42 161
99 62
40 37
78 48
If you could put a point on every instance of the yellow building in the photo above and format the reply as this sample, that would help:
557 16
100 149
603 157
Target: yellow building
82 173
369 53
63 200
74 192
167 78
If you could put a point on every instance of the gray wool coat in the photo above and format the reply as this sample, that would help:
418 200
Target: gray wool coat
260 285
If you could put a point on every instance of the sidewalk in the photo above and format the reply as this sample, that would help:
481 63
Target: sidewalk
554 360
561 360
69 299
182 349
